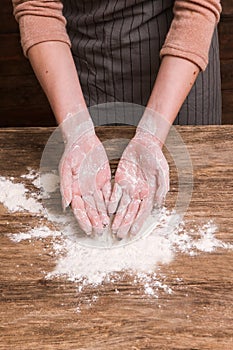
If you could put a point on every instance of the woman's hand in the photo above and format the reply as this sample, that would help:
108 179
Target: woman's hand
141 180
85 175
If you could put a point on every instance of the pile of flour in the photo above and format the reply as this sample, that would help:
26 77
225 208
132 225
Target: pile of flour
16 197
93 264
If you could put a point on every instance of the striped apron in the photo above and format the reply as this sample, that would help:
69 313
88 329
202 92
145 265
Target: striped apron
116 45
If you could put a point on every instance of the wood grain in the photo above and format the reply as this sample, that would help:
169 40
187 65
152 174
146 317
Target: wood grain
41 314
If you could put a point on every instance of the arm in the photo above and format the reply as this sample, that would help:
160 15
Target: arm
54 67
46 43
174 81
191 30
40 21
184 54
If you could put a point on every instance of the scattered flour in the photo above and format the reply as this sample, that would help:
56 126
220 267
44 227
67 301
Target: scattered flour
92 265
96 265
37 232
16 197
48 181
31 175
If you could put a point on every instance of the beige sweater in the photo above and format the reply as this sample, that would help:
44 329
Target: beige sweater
189 36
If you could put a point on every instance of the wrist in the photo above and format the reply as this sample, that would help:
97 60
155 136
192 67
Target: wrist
147 138
154 125
75 125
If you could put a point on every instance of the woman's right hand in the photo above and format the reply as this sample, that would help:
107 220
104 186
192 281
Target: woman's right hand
85 175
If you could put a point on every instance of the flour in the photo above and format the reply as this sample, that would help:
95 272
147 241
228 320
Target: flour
37 232
49 182
140 258
16 197
31 175
207 242
92 265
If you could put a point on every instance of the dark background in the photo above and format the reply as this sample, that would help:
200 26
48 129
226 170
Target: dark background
22 102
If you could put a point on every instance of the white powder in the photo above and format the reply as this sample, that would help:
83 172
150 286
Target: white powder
37 232
15 197
207 242
203 239
49 182
93 265
31 175
140 258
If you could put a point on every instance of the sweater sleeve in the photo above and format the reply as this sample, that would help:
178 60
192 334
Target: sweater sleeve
191 30
40 21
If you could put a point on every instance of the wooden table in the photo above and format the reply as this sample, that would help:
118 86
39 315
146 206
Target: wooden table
41 314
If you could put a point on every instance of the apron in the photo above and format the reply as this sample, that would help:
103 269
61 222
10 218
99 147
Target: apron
116 45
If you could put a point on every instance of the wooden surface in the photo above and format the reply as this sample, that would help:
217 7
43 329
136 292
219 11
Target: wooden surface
41 314
20 93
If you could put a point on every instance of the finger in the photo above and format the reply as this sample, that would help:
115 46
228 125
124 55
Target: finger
93 214
162 180
106 190
115 198
101 207
128 218
121 211
80 214
65 183
143 213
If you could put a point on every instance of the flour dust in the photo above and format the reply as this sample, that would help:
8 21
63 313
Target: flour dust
93 265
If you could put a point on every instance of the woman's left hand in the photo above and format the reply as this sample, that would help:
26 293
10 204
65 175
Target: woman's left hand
141 180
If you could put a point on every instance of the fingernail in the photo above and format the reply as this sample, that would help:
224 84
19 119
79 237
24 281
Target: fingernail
106 221
110 211
111 208
133 231
88 233
121 235
64 205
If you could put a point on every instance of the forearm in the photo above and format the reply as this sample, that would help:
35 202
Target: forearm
184 53
54 67
174 81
